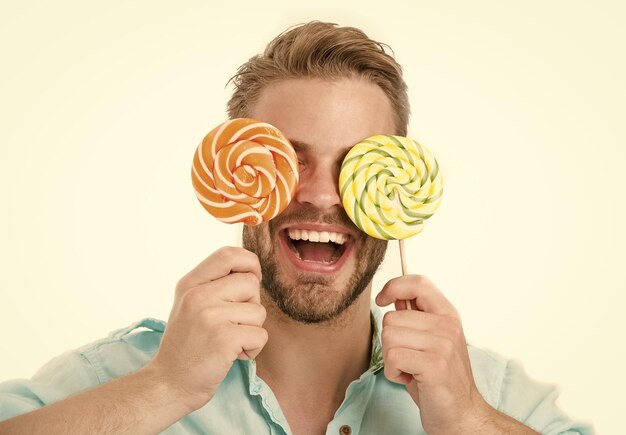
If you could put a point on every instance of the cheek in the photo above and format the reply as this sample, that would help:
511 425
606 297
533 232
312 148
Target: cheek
372 250
255 238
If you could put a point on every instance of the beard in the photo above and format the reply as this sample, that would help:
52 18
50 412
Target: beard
312 298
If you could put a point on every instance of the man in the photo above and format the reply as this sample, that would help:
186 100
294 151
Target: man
281 337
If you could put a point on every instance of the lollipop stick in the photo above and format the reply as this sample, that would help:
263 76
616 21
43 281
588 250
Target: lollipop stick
403 262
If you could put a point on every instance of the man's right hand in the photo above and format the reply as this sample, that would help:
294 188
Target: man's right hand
217 317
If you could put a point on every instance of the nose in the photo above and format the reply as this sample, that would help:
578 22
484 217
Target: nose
319 187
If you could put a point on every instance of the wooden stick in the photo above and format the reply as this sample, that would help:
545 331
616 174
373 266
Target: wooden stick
404 271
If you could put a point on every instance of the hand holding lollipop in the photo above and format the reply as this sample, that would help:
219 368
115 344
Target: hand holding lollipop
246 171
389 185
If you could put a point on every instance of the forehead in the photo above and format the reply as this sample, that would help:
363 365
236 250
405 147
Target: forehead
328 115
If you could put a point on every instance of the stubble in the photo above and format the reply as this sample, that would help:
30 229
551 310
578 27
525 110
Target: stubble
312 298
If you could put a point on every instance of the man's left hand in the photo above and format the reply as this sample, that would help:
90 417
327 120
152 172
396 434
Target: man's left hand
425 349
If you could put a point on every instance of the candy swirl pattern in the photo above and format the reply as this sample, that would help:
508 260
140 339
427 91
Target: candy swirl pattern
245 170
389 185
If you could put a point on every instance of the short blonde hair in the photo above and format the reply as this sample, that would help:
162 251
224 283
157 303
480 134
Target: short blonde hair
321 50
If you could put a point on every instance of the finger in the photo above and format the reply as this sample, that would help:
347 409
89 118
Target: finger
426 368
251 340
221 263
403 365
399 336
427 296
237 287
240 313
433 323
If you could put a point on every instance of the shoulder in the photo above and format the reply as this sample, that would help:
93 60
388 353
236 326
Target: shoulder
489 370
501 379
506 386
121 352
124 350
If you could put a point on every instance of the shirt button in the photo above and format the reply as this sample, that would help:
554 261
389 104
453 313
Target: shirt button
345 430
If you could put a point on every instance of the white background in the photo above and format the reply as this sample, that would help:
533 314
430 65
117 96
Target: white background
102 106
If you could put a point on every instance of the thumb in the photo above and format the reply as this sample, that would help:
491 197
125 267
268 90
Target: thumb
387 294
381 299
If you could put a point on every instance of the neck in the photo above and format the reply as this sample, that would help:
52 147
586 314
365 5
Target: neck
319 358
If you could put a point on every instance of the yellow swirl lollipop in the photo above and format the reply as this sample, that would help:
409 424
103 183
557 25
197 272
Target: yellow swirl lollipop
389 185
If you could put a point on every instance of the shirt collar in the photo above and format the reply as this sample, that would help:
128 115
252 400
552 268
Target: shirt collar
376 358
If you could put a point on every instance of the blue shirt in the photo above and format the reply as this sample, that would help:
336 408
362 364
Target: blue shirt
244 404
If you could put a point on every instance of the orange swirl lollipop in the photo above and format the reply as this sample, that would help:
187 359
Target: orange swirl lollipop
245 170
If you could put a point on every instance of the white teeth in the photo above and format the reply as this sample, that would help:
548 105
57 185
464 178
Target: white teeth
338 238
318 236
324 237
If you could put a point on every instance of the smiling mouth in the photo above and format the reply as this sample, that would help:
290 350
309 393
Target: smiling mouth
322 247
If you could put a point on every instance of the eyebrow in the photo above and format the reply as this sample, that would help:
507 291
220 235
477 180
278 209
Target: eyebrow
303 147
300 146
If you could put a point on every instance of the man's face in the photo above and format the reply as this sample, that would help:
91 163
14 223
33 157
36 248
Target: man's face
313 281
